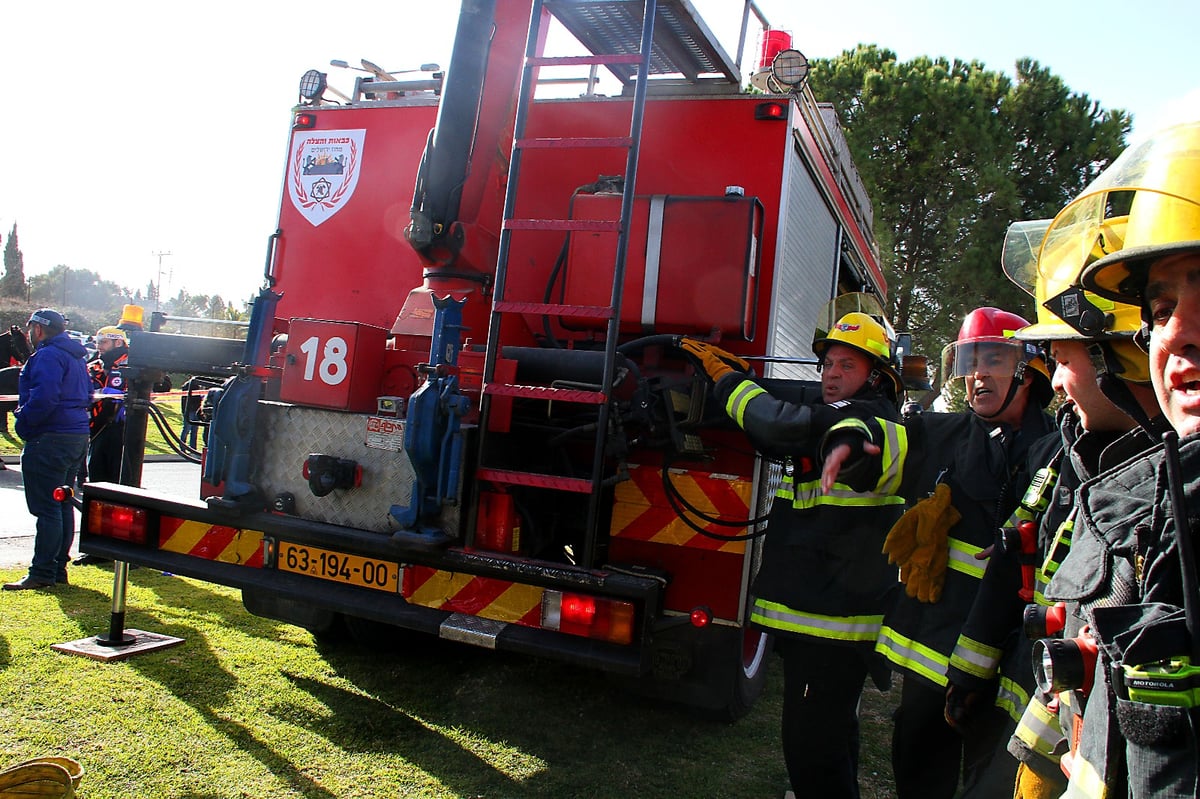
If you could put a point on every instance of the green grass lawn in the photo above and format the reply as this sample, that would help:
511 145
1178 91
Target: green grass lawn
247 707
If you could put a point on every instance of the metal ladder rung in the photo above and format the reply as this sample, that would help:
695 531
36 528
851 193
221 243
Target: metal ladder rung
572 142
535 480
546 393
551 309
583 225
583 60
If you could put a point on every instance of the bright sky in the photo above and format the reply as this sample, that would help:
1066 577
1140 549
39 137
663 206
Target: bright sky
139 128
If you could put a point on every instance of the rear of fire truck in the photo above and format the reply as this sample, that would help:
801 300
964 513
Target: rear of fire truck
460 408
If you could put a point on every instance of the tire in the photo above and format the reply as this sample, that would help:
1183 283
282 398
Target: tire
745 676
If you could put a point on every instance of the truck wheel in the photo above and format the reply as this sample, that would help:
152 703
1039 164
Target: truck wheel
748 676
717 673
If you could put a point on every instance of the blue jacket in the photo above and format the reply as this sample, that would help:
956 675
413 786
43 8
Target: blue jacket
54 391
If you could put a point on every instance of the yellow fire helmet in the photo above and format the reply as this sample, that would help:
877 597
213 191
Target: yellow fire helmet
862 332
112 333
850 302
1158 181
1041 267
1045 263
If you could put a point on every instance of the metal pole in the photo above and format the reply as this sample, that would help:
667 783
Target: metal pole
158 285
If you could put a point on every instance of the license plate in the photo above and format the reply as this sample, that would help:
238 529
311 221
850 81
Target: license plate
339 567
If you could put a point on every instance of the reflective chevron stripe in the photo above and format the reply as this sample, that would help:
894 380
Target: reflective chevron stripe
211 541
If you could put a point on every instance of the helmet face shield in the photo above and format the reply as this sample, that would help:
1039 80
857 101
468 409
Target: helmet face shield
992 356
1158 182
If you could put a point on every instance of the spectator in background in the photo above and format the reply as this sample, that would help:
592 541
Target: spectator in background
52 419
106 428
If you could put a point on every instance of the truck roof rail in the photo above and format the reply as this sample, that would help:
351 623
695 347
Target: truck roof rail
683 43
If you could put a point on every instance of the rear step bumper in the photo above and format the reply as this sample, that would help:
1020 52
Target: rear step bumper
293 597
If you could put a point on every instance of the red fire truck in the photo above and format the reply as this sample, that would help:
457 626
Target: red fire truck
460 408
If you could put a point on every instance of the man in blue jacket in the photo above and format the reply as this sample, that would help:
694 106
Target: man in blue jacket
53 397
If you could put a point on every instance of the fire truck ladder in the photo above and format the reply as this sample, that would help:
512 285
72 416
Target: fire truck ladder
630 66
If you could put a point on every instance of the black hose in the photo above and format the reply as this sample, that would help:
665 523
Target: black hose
679 504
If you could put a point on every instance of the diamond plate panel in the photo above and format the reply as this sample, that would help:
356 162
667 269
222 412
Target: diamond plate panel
289 433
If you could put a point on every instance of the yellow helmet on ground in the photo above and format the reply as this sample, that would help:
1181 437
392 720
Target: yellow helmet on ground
861 331
1159 181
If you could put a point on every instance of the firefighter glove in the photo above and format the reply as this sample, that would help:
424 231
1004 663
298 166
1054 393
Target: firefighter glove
966 707
919 544
1031 785
715 361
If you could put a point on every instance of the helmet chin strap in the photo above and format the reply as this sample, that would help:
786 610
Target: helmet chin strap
1017 380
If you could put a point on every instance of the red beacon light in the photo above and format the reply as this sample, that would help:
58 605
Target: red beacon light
63 494
701 616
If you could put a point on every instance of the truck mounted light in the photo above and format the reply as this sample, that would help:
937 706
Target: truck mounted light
312 85
118 521
588 616
790 69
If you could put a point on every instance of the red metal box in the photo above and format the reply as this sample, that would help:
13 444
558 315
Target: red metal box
335 365
691 263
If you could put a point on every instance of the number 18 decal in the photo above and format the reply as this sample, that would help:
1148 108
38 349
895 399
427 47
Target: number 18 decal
332 369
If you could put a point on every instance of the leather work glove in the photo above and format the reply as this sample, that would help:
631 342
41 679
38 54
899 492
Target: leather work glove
965 707
1031 785
918 544
715 361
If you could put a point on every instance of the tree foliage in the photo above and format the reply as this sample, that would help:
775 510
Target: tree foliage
951 153
12 284
82 288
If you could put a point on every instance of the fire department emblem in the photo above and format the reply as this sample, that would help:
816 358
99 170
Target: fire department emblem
323 171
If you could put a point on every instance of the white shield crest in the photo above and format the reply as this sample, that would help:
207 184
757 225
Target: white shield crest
323 171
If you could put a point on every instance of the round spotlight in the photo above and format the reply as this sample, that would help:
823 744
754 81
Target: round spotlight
312 85
790 69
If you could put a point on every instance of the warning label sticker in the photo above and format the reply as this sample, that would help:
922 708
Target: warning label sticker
383 432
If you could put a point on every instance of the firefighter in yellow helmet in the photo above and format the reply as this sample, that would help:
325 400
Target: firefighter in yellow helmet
1105 389
823 586
1127 569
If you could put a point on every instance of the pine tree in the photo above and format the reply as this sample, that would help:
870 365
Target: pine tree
12 284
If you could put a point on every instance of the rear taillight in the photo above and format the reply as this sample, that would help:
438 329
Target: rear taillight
118 521
588 616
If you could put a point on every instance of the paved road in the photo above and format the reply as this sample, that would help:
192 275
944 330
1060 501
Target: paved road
16 523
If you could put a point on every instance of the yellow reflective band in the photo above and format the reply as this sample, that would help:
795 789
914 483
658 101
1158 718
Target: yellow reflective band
735 406
852 424
915 657
895 453
1011 698
1059 549
1086 782
1040 731
809 495
837 628
975 658
962 558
